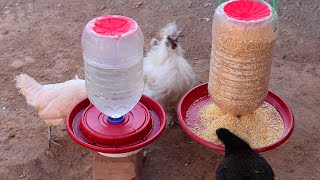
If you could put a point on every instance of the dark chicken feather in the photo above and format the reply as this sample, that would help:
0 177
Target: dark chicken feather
241 161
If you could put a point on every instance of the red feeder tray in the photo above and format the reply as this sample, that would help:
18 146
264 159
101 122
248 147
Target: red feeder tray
199 97
142 125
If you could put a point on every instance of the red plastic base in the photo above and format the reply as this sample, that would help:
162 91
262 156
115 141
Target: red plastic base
110 138
247 10
136 126
199 97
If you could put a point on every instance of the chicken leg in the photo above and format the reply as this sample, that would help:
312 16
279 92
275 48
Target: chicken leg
50 140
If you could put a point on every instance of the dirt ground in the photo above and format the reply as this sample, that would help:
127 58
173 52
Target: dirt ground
42 39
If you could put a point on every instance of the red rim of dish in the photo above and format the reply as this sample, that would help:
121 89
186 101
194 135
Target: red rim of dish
147 101
271 98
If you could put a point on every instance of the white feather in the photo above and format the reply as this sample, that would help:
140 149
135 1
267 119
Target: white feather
53 101
167 74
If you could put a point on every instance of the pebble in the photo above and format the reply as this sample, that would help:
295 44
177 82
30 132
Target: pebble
4 108
17 64
59 5
12 135
139 4
207 19
49 153
207 5
5 32
145 153
84 153
102 8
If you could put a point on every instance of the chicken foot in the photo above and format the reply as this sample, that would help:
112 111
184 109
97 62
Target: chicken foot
50 140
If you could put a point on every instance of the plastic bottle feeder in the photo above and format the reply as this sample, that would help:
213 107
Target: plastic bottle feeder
242 46
117 142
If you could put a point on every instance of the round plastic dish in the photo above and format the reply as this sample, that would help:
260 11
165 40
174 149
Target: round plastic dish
199 97
142 125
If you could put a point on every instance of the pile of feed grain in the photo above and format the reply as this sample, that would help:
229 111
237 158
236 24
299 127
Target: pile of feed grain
260 128
241 61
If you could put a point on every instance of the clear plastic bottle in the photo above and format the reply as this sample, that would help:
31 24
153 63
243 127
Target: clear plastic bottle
243 40
113 62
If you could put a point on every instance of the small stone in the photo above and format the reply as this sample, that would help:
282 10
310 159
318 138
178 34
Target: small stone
145 153
284 56
102 8
4 108
22 175
207 5
139 4
5 32
12 135
190 5
84 153
59 5
17 64
207 19
29 60
49 153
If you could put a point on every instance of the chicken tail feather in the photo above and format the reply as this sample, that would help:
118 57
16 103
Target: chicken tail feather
28 87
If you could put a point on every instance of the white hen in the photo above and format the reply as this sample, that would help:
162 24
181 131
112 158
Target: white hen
167 74
52 101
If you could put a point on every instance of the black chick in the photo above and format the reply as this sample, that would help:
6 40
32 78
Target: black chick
241 161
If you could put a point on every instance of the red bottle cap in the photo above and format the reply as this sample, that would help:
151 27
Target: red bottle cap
114 25
246 10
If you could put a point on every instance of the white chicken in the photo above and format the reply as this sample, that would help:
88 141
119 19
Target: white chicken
52 101
167 74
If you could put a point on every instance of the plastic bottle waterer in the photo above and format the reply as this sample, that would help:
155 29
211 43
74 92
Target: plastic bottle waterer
116 118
